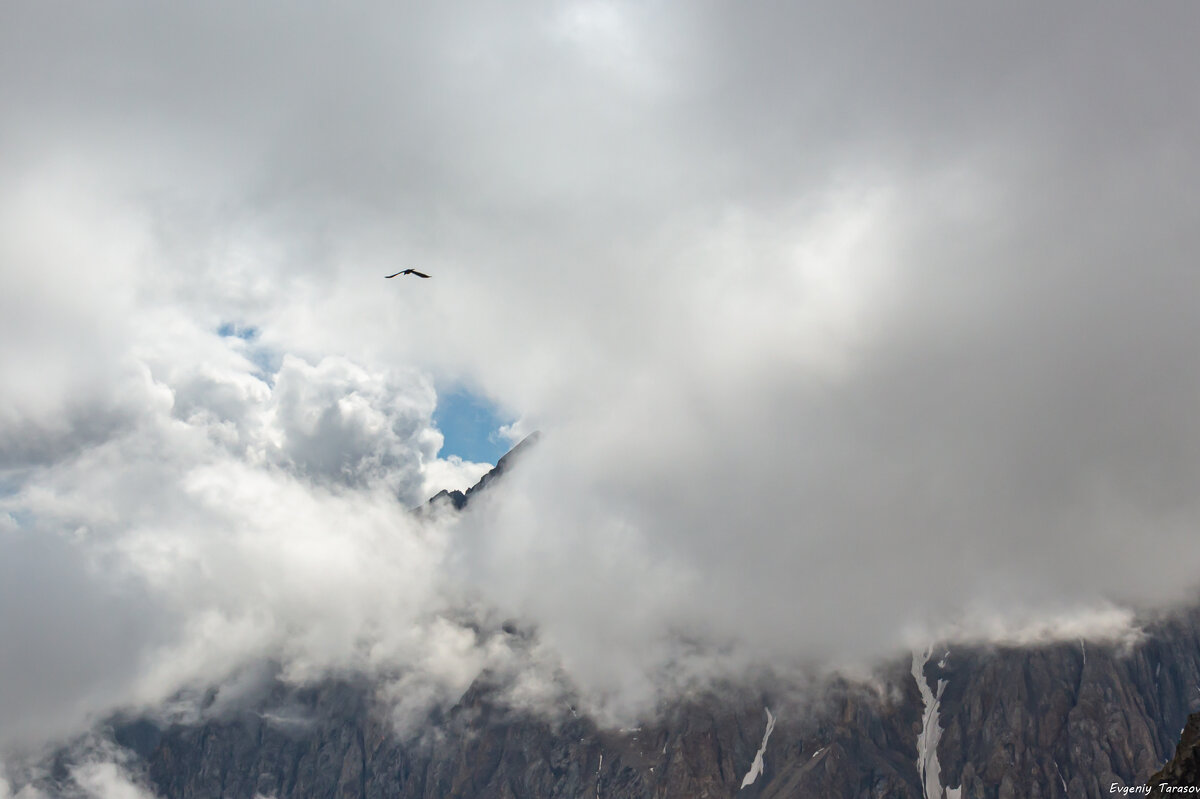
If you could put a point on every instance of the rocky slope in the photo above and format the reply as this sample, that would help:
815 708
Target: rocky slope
1067 720
1047 722
702 749
1182 770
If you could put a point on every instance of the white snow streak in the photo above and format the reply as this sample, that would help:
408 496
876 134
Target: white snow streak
931 731
756 767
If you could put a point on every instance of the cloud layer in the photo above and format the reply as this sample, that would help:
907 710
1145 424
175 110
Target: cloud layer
838 322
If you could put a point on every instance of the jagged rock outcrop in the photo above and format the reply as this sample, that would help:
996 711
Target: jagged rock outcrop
1182 770
459 499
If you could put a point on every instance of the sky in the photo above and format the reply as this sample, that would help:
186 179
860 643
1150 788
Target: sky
471 426
846 327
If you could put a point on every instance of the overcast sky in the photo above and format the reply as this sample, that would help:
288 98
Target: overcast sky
845 325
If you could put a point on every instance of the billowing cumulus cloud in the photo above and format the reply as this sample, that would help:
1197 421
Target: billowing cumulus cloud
845 326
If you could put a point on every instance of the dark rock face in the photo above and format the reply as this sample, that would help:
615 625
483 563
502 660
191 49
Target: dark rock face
703 748
1182 770
1067 720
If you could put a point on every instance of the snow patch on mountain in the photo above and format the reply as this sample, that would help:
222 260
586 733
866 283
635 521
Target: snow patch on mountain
931 730
756 767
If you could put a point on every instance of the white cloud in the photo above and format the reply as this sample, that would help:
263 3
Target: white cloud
226 519
452 473
98 769
108 781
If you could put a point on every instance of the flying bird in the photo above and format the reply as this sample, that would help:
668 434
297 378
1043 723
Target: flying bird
408 272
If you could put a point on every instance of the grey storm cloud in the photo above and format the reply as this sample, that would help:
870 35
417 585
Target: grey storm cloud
846 325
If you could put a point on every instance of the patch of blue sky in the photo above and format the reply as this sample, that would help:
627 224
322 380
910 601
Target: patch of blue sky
470 425
267 360
236 330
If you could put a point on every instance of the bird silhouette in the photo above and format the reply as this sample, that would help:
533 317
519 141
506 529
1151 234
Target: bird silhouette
408 272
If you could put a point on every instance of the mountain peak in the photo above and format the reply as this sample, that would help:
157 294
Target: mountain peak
459 499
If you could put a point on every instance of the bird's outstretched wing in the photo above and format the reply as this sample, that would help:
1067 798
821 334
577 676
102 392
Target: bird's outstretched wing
391 276
418 274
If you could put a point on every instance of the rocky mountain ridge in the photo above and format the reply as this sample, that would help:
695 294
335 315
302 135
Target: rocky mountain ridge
1045 722
459 499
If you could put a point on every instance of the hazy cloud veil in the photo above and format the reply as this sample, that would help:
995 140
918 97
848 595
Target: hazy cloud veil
891 309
